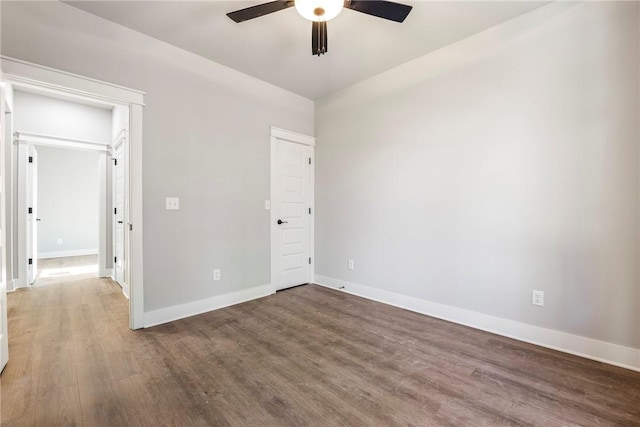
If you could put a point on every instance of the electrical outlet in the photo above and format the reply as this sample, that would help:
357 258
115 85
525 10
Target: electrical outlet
350 264
173 203
267 205
216 274
60 241
537 297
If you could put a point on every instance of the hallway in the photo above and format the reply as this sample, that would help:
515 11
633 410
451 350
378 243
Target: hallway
53 358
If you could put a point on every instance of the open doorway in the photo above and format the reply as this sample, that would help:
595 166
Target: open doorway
27 77
62 164
66 206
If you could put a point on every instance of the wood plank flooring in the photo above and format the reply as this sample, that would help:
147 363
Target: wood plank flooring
308 356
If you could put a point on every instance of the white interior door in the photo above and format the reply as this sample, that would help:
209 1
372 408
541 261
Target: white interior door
32 215
291 200
119 205
4 338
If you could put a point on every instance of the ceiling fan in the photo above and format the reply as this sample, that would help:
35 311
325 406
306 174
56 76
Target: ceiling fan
321 11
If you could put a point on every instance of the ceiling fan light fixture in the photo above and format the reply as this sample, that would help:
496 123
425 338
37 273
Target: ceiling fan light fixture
319 10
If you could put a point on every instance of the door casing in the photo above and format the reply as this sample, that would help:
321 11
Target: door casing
32 76
4 337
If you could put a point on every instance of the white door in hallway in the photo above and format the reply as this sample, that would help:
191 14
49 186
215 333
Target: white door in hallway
4 132
119 204
32 215
291 202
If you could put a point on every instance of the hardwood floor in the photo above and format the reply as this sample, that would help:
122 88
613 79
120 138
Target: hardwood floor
306 356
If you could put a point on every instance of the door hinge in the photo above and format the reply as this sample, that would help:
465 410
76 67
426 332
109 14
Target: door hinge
30 261
30 159
309 160
115 162
309 260
309 211
115 211
30 210
115 259
130 227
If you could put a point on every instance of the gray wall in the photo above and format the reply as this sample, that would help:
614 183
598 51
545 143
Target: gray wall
61 118
68 201
503 163
205 140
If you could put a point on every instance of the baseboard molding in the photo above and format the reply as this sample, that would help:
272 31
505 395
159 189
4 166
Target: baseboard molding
169 314
601 351
10 286
61 254
125 290
106 272
18 283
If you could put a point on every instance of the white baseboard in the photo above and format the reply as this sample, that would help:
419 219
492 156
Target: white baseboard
168 314
18 283
106 272
601 351
10 286
125 289
61 254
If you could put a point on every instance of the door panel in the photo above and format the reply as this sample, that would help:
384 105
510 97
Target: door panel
119 264
291 201
32 222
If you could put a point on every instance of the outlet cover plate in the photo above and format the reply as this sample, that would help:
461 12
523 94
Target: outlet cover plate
173 203
537 298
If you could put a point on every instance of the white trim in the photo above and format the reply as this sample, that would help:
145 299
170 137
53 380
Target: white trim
62 254
102 214
59 144
133 230
28 74
63 139
125 291
18 283
20 210
290 136
589 348
44 79
116 141
169 314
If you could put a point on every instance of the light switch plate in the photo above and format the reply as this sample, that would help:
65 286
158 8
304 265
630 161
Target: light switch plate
173 203
267 204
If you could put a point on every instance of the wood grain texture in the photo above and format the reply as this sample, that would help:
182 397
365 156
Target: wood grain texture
306 356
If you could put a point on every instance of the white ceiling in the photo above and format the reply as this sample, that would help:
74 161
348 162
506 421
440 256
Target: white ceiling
276 48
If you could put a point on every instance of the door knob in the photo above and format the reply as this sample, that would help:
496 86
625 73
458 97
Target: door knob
282 222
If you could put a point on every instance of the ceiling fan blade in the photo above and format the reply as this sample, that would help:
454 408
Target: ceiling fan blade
382 9
319 38
259 10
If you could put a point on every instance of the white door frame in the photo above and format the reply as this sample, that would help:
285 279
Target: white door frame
24 143
44 79
120 140
298 138
5 107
